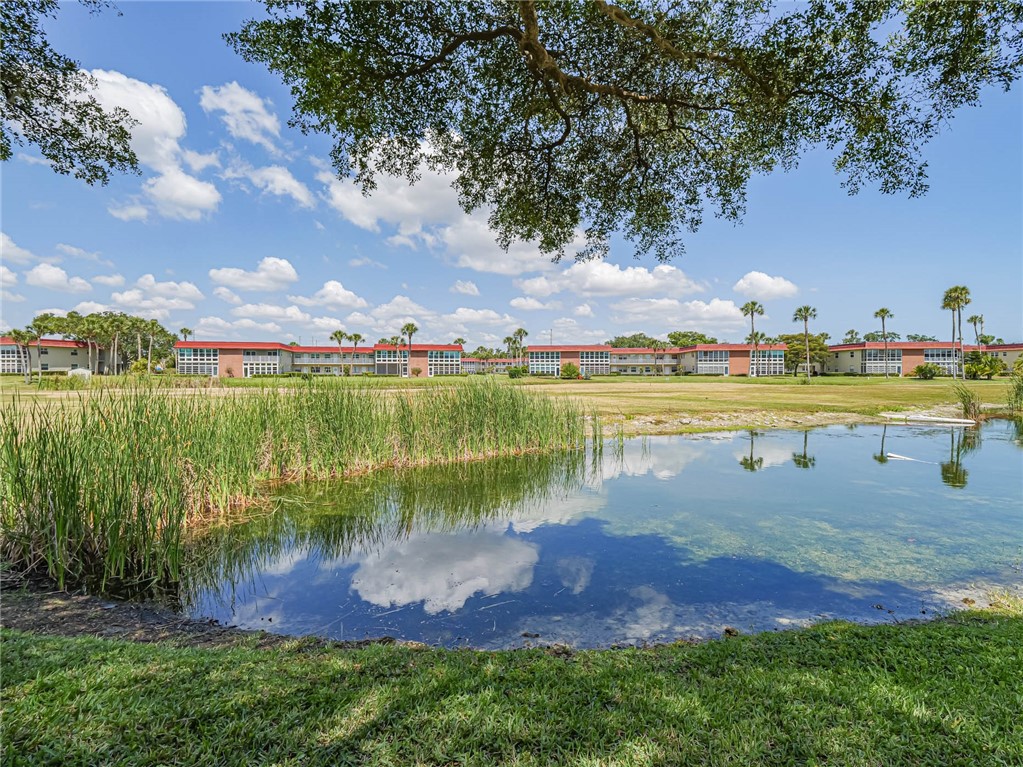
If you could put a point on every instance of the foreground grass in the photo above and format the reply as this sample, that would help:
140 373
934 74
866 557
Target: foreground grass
947 692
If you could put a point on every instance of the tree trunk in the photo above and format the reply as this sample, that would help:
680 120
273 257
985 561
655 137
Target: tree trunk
149 356
39 361
955 373
884 336
806 342
959 315
753 338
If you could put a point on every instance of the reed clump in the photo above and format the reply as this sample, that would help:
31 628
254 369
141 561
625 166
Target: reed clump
100 488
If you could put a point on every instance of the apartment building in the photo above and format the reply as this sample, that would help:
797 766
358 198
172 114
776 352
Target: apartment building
55 354
868 357
243 359
702 359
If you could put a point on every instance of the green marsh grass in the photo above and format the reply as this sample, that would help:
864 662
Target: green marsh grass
100 487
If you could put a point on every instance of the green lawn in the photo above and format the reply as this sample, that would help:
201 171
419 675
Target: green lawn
618 398
943 693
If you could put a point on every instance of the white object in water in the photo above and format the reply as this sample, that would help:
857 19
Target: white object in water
897 457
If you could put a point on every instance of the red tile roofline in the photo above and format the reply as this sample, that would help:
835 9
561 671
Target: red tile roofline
62 343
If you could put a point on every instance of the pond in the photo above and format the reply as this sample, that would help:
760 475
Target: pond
643 540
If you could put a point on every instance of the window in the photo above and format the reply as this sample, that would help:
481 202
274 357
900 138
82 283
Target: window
595 363
768 362
548 363
443 363
947 359
43 352
198 361
74 352
391 362
874 363
44 366
10 360
712 362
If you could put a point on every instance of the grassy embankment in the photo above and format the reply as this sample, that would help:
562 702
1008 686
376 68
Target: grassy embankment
946 692
103 484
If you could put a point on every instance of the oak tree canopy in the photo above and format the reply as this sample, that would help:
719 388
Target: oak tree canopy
638 117
48 101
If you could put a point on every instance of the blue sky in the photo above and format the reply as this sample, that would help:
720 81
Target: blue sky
237 228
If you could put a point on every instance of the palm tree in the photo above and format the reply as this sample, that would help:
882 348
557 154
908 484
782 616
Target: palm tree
753 309
23 339
409 329
805 314
356 339
975 320
954 300
339 337
185 333
458 341
884 314
520 336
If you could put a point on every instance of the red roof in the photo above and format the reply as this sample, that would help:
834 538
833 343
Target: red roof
580 348
262 345
51 342
1000 347
421 347
901 345
642 350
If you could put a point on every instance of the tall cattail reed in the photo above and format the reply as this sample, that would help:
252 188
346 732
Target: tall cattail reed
99 488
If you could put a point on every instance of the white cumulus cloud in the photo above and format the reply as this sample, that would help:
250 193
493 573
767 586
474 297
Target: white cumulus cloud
764 287
332 294
465 287
601 278
246 115
271 274
185 291
11 253
274 179
156 141
54 278
227 295
178 195
112 280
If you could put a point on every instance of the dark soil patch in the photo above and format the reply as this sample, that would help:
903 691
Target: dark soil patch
37 606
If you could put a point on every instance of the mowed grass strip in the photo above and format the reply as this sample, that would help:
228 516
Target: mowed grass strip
947 692
621 396
614 397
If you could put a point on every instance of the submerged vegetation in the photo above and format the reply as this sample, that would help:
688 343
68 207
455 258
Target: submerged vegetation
102 486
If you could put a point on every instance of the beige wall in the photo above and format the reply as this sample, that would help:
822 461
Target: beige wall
847 362
62 358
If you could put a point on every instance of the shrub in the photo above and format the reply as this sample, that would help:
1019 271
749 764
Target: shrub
518 371
569 371
927 371
416 372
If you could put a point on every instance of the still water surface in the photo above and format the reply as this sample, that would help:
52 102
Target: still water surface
649 540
